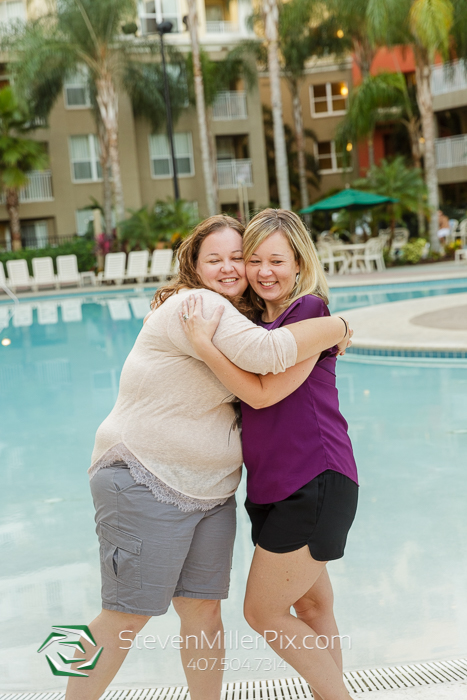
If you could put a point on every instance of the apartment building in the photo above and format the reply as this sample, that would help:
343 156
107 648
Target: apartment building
324 92
449 88
51 206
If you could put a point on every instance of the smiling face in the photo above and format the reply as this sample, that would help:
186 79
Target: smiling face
272 268
220 262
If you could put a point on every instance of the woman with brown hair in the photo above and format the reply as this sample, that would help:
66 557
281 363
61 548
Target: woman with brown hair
167 460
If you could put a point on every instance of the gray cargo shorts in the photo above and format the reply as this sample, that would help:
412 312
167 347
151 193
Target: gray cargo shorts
151 552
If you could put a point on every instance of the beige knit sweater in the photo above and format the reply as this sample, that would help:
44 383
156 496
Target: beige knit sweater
173 414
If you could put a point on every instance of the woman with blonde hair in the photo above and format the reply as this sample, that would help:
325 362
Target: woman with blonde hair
167 461
302 481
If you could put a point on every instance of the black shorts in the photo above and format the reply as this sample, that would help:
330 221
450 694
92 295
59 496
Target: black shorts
319 514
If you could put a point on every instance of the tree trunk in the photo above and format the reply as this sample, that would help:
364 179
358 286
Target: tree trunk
271 20
106 182
425 105
12 202
210 175
300 141
371 151
107 100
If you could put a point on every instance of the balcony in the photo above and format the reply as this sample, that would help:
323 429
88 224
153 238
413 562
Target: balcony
448 78
221 27
38 189
451 152
231 173
229 105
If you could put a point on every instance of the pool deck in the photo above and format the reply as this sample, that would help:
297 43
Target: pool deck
437 323
441 691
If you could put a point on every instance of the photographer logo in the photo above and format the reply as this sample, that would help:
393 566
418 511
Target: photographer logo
63 640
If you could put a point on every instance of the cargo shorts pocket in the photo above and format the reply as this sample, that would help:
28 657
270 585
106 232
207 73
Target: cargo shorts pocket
120 555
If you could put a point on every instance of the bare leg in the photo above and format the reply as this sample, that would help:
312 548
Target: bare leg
105 630
197 616
315 608
275 583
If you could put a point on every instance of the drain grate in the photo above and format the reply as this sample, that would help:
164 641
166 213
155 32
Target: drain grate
391 678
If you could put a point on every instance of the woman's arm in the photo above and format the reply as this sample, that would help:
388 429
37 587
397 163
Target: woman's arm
256 390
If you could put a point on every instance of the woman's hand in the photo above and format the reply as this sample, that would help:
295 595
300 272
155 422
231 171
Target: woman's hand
198 329
346 341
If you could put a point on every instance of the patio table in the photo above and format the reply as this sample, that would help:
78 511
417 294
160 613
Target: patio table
349 263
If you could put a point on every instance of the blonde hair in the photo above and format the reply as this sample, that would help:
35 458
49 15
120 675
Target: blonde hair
311 278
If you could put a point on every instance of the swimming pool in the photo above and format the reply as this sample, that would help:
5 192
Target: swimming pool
400 590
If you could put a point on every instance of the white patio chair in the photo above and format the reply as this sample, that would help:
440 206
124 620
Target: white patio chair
114 268
161 263
336 262
137 267
373 253
18 275
43 273
67 270
462 233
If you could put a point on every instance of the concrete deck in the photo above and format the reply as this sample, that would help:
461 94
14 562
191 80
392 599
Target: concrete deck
399 275
437 323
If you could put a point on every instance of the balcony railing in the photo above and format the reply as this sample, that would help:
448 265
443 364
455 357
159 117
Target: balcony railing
229 105
451 151
231 173
38 189
220 27
449 78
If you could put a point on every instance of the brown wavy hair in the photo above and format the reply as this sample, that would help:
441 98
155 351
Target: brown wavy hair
187 255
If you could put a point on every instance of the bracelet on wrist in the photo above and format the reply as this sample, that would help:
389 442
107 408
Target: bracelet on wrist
346 326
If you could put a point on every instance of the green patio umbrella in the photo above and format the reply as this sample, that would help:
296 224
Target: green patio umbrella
354 200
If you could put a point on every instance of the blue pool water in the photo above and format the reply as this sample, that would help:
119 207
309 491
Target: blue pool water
400 589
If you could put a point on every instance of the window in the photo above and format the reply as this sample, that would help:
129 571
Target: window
77 90
35 234
328 160
152 12
161 160
329 98
84 155
83 218
11 11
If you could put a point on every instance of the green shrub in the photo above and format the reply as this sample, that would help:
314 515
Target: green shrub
412 252
82 248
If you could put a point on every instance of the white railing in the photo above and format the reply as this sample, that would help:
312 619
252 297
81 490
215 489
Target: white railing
221 27
451 151
231 173
38 189
448 77
229 105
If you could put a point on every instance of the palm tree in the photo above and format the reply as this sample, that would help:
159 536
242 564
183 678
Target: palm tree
305 31
18 156
270 20
86 33
392 178
207 151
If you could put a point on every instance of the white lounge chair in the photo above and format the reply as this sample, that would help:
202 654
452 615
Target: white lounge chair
161 263
137 267
373 253
114 268
67 270
44 275
18 275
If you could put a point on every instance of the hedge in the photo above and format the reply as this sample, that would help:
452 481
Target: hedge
82 248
